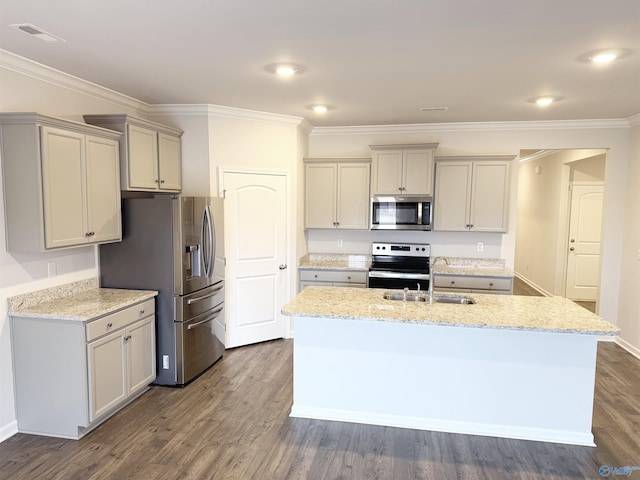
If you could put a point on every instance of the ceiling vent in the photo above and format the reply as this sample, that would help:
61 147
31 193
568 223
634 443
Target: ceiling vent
434 109
37 32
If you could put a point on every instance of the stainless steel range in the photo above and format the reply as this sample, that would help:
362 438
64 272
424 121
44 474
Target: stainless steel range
400 265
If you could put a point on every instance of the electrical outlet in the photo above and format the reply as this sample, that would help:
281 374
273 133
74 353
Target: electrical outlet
479 247
339 243
52 271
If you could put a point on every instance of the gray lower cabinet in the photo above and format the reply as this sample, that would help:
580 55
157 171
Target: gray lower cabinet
335 278
71 375
473 284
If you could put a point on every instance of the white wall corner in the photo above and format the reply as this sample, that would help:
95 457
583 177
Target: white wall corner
634 120
8 430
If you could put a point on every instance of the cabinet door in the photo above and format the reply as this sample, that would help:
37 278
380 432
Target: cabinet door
320 195
353 196
387 172
107 373
490 197
417 172
63 186
141 354
452 196
142 161
169 162
103 190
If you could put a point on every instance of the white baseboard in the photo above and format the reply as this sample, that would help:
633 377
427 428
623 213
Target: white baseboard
488 430
533 284
8 430
635 351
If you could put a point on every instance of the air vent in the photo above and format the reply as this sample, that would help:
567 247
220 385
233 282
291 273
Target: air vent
37 32
434 109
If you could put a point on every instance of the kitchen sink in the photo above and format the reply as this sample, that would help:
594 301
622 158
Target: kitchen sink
411 296
422 297
459 299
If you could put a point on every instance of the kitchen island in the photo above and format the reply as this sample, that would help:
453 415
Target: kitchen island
506 366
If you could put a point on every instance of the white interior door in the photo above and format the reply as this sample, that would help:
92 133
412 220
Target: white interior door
585 226
255 210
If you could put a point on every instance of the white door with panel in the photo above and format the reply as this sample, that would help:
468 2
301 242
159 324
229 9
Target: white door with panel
256 252
585 230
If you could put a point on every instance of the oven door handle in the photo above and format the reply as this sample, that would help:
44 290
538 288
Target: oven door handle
410 276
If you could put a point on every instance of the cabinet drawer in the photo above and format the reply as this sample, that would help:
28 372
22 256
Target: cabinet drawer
475 283
118 320
333 276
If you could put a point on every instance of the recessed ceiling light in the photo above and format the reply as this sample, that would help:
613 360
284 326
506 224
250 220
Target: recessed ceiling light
321 108
604 55
285 69
544 100
37 32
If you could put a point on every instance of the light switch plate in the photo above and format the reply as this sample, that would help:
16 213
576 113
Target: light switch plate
479 247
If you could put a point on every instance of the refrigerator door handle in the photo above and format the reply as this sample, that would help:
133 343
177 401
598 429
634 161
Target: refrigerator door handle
213 316
207 240
204 297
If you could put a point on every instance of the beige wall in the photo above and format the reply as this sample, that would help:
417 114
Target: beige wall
543 213
629 315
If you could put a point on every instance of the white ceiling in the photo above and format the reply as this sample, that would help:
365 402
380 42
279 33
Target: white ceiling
376 61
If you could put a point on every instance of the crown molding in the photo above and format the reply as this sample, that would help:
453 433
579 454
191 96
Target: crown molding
224 112
472 127
29 68
634 120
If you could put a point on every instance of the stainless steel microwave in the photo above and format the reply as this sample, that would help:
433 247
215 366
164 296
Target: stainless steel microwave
391 212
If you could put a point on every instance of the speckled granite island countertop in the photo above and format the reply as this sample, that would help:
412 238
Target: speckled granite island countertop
512 312
334 261
82 301
481 267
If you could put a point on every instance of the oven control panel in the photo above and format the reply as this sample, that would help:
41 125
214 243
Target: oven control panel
401 249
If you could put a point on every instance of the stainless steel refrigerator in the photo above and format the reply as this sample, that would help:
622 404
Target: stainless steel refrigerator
175 245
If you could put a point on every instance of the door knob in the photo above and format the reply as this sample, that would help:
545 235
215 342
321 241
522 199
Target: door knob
282 266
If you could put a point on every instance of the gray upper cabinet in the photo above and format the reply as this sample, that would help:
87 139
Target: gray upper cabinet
150 153
472 193
337 193
402 169
61 183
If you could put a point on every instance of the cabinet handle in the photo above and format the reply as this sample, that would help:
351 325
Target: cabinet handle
283 266
453 282
89 234
348 278
109 325
315 276
491 284
141 312
161 181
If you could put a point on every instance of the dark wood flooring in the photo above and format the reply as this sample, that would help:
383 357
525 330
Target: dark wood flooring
522 288
233 423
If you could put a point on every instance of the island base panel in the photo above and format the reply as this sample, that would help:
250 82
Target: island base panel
481 381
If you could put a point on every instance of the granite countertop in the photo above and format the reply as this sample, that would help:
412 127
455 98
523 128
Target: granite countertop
479 267
335 261
84 303
513 312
